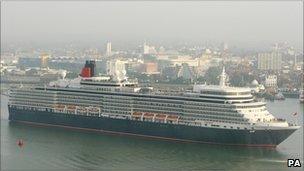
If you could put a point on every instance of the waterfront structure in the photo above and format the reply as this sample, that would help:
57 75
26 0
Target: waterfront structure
270 61
216 114
31 75
271 81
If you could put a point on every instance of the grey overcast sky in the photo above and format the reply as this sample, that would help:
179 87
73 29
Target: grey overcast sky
250 23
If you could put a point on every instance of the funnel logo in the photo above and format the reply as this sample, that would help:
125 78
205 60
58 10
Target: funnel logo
293 163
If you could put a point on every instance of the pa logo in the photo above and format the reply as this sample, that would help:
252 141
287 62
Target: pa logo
293 163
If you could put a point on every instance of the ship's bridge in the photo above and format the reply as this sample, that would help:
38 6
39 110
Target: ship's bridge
221 90
224 92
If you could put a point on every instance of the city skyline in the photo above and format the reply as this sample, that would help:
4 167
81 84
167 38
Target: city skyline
246 24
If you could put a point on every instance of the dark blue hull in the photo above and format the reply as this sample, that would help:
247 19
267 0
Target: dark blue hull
267 138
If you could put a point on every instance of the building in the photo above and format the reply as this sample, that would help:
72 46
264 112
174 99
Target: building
270 61
271 81
151 68
29 62
149 49
44 60
185 72
146 48
116 68
109 49
181 59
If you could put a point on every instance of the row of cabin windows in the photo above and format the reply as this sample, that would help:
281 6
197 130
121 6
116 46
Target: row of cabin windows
41 96
30 108
70 101
34 97
212 108
224 93
34 94
104 89
177 102
118 97
158 104
208 104
255 110
21 99
212 113
78 97
157 108
206 111
215 117
156 111
116 101
31 104
215 120
47 103
111 104
253 106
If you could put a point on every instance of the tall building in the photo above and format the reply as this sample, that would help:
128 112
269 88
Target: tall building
146 48
117 68
149 49
44 60
151 68
270 61
109 49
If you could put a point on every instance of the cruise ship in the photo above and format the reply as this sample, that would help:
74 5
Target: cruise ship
214 114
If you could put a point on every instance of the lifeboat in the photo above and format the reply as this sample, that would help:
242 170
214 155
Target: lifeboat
173 118
59 106
160 116
136 114
93 109
148 115
81 109
71 107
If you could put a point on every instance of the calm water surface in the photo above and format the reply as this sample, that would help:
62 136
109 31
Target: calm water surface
49 148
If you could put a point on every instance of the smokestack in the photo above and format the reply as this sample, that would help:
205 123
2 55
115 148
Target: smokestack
89 69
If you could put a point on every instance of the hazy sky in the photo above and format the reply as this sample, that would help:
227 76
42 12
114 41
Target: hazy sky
240 23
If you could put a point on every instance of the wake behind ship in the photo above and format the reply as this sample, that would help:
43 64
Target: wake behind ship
216 114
